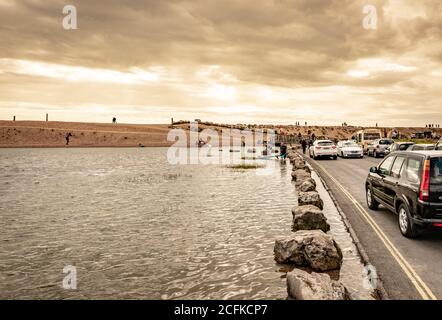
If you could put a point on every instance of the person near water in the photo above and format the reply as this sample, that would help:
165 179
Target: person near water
68 137
304 145
283 151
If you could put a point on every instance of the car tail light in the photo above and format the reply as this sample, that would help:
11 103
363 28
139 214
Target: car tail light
318 148
333 147
424 193
437 224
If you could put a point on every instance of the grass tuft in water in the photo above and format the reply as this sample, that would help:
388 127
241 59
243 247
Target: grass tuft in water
246 166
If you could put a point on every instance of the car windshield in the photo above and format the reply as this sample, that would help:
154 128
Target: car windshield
387 142
371 136
325 143
436 171
350 144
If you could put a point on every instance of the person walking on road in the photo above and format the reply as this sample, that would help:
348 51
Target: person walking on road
304 145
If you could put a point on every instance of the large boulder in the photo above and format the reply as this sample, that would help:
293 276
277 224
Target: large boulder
302 285
297 165
307 185
300 175
309 217
310 197
313 249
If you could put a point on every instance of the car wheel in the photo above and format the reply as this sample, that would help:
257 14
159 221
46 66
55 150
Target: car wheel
375 154
371 201
406 225
335 157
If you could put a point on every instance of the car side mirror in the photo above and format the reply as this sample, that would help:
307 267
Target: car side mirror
374 170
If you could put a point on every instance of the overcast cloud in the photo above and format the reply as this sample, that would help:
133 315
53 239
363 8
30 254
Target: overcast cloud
276 61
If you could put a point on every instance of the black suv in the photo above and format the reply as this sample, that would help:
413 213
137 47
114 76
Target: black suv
408 183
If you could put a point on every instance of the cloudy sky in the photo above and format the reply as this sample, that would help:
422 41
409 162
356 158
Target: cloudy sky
267 61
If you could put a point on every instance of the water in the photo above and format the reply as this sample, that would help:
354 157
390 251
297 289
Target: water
137 227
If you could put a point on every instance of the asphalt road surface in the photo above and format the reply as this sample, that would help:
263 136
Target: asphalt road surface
408 268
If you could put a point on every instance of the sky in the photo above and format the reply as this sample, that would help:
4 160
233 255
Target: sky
230 61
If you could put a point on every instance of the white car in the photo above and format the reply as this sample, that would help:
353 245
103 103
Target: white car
323 148
349 149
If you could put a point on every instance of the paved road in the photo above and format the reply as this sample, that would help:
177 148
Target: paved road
409 269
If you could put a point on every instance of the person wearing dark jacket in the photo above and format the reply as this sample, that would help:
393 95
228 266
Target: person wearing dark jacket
304 145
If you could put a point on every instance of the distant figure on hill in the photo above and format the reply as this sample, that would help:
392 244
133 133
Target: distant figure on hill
114 120
68 137
304 145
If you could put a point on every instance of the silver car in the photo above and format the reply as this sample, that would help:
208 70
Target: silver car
378 147
349 149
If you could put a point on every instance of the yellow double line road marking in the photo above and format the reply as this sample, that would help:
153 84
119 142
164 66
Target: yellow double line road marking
418 283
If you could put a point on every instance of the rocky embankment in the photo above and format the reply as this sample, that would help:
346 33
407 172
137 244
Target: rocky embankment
310 248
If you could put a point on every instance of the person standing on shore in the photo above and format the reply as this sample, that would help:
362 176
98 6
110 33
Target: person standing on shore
68 137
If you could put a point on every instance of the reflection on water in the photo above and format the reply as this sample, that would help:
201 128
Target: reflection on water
137 227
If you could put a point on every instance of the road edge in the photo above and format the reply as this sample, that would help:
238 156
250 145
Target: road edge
380 292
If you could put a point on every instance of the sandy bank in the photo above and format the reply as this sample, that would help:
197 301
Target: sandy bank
52 134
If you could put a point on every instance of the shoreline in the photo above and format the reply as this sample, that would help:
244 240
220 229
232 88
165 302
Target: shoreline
52 134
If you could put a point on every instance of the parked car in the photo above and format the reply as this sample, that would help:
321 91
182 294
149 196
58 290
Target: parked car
438 145
377 147
323 148
420 147
410 185
398 146
349 149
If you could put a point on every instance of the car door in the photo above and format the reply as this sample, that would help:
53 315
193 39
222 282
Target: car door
436 186
378 179
391 181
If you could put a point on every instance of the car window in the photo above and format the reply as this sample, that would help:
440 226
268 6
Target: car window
325 143
436 171
404 146
385 166
387 142
412 170
397 166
